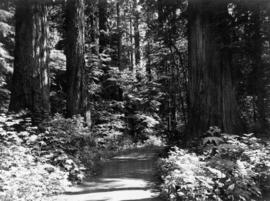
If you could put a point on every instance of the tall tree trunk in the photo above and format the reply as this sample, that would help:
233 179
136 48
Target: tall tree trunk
103 38
211 88
30 82
148 62
267 69
91 11
131 67
258 72
76 76
136 34
119 32
148 48
172 98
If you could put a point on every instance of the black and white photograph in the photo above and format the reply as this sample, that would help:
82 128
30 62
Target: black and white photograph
134 100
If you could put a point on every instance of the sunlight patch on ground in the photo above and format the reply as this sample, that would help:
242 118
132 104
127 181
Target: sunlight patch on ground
114 195
110 183
111 189
125 177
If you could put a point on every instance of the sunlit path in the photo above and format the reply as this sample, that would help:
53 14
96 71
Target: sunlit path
125 177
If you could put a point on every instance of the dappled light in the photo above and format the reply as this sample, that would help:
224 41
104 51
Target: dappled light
124 177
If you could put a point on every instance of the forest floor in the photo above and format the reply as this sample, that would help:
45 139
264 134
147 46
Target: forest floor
128 176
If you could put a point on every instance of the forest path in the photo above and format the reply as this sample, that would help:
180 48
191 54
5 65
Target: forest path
126 177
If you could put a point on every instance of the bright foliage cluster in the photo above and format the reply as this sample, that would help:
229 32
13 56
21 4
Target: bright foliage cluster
230 167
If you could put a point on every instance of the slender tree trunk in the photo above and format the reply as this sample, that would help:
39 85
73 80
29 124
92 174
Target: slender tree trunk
103 38
258 71
148 51
93 34
30 82
119 45
76 76
131 67
148 62
172 99
136 34
126 57
211 88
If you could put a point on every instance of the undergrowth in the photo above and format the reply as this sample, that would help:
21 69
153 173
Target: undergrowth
230 167
25 174
37 163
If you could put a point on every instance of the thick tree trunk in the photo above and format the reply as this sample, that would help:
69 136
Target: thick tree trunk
211 88
267 69
30 83
76 76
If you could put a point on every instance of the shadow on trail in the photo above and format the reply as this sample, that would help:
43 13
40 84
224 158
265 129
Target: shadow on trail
127 177
147 199
103 190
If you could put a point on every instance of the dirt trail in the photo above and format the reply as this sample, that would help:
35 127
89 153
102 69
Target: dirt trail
126 177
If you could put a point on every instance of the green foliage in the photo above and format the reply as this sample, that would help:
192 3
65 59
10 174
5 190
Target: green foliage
231 168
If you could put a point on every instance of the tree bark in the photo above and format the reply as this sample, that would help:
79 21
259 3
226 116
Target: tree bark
148 62
92 32
267 70
30 82
76 76
103 38
148 49
119 32
258 70
131 67
212 95
136 34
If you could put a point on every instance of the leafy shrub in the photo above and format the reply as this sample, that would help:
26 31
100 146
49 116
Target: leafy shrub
231 168
62 143
141 122
185 177
154 141
67 143
22 177
140 104
109 125
246 160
